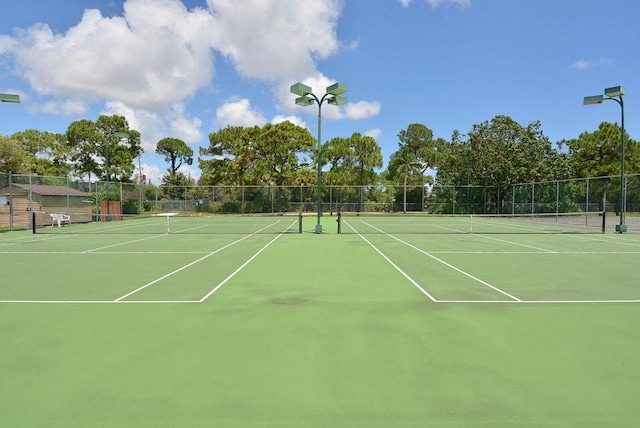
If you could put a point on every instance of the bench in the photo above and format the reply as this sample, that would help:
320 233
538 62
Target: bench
61 219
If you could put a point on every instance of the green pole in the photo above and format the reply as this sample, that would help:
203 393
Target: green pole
623 193
319 162
306 98
108 217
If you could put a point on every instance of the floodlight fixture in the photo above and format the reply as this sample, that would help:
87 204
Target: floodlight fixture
594 99
616 91
304 101
9 98
337 101
300 89
337 89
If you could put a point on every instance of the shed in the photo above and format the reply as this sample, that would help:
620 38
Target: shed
18 200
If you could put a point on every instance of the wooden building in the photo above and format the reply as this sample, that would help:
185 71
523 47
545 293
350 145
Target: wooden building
19 200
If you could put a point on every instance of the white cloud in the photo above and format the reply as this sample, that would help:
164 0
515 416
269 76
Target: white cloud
153 173
582 64
149 63
157 54
461 3
375 133
363 109
184 127
239 113
437 3
274 40
64 107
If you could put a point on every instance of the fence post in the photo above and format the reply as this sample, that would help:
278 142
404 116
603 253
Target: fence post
10 201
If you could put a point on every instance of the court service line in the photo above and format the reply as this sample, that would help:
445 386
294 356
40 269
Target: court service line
395 266
191 264
217 287
28 240
121 243
449 265
515 243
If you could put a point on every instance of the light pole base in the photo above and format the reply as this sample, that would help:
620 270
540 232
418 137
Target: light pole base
621 228
318 228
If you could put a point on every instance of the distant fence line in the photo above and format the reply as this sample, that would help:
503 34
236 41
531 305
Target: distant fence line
20 194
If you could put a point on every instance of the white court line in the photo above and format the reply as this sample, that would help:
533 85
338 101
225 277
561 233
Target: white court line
28 241
191 264
396 267
446 264
514 243
541 302
120 243
95 302
206 296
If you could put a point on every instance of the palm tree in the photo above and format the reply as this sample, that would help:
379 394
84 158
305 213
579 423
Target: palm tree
406 164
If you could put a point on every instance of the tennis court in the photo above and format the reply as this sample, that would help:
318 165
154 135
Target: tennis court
244 321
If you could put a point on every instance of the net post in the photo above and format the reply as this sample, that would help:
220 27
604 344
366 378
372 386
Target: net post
33 222
604 221
300 222
339 221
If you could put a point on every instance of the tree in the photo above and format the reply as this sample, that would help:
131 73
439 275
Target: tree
96 149
12 157
47 153
176 186
406 164
353 161
222 162
268 155
418 140
597 153
500 153
175 152
84 141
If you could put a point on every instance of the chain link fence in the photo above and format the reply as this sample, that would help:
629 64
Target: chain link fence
87 201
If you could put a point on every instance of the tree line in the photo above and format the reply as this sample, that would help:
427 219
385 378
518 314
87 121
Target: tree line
499 152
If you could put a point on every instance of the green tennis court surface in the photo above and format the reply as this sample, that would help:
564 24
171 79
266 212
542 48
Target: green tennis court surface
382 325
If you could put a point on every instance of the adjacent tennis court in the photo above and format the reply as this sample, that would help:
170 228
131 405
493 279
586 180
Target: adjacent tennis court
396 321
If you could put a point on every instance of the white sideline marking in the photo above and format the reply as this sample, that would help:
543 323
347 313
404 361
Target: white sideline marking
446 264
95 302
206 296
191 264
541 302
396 267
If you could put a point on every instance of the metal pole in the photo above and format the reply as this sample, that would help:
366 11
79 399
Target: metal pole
319 162
140 182
108 218
623 187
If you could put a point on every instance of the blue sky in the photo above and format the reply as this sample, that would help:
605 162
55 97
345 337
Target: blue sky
187 68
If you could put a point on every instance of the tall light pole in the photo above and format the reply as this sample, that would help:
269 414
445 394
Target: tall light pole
13 98
306 98
615 94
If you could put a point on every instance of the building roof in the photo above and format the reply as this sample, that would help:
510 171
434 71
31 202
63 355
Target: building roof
44 190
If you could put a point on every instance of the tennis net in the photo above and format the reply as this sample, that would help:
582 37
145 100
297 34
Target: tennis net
165 223
592 222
